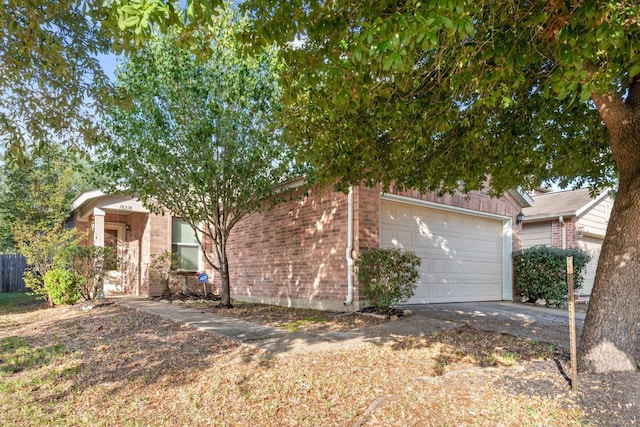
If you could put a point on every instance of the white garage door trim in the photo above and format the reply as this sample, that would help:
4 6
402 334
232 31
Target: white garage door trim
507 227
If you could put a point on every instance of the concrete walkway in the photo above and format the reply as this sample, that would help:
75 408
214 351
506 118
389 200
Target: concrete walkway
278 341
523 320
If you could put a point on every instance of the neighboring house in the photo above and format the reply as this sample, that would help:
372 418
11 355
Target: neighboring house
300 252
567 219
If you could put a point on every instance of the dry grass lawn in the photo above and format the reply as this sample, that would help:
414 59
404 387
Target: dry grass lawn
116 367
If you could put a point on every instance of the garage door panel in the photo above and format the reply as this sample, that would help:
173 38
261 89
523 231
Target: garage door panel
455 268
432 216
435 266
470 268
490 247
461 254
469 245
405 238
455 243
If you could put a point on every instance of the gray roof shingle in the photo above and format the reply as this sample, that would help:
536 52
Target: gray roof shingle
565 203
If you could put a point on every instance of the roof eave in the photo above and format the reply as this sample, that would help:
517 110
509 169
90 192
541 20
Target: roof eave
85 198
521 197
546 216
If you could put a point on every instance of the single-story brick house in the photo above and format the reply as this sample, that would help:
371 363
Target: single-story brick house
568 219
300 252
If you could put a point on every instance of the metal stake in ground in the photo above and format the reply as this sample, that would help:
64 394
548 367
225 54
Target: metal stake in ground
572 326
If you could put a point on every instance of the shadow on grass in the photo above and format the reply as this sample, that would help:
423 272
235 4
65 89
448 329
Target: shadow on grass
106 351
20 302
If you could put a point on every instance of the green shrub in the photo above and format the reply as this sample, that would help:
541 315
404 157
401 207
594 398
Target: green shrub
88 265
162 271
541 272
388 276
60 285
34 282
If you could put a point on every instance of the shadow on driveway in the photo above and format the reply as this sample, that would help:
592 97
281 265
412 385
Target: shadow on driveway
523 320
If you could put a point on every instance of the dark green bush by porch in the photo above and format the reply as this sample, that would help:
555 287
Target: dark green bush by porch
387 276
541 272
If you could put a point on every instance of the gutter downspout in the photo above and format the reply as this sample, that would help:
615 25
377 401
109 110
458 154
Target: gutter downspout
349 250
564 232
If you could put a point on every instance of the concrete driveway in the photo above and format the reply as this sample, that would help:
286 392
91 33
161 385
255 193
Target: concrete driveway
524 320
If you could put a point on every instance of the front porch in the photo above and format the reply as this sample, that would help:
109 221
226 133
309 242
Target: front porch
121 223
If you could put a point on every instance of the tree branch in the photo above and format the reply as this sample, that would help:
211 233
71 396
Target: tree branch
633 100
610 104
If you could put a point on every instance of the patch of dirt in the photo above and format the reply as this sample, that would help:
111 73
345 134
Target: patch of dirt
607 399
292 319
390 313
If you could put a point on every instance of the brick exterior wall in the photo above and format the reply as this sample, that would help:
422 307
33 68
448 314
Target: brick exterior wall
159 229
292 254
134 250
570 223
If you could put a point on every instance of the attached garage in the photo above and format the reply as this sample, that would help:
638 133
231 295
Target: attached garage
537 234
466 254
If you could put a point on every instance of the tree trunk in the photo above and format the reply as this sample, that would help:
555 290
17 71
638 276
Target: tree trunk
225 286
610 330
185 286
611 326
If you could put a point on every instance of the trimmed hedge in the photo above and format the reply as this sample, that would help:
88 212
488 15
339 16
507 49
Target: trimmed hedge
541 272
387 276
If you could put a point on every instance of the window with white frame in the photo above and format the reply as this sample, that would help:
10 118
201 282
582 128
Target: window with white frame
185 245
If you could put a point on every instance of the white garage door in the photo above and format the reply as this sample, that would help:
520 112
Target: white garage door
592 245
461 254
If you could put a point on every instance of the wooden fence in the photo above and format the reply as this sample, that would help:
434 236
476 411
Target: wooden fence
12 267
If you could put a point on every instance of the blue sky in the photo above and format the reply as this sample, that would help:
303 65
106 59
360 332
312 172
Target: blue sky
109 63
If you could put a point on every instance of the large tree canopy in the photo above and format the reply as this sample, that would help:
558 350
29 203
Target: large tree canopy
51 76
198 138
53 82
431 94
438 94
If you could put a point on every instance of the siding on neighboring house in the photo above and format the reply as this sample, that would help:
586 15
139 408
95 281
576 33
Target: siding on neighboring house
592 245
585 225
595 219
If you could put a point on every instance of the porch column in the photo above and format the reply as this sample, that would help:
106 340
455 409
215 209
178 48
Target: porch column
98 227
98 240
